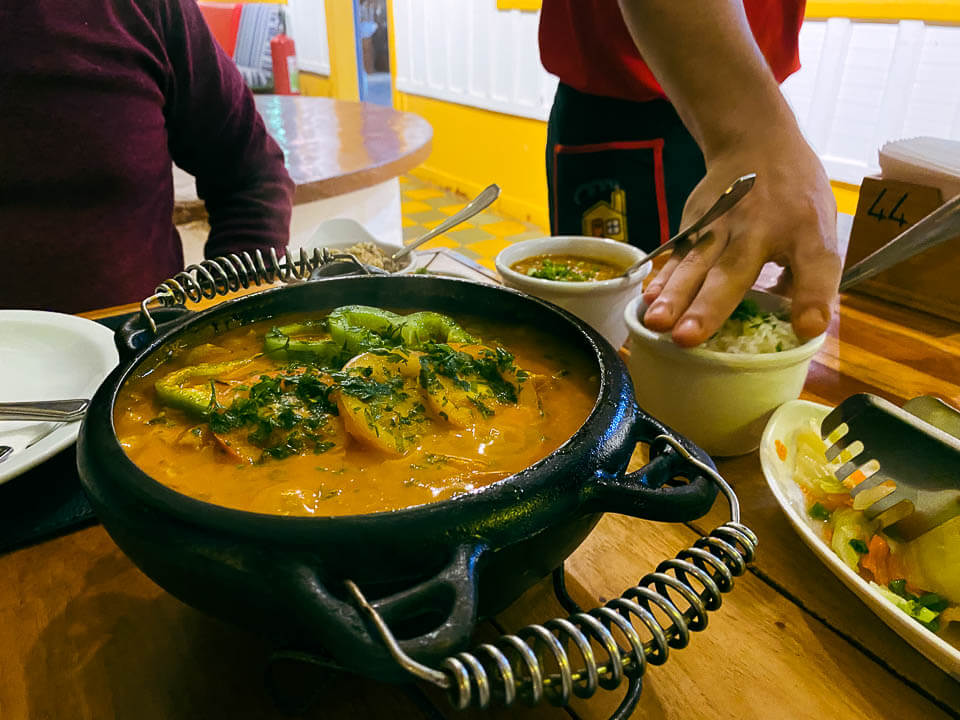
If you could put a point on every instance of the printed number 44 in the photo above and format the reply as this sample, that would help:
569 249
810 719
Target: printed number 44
876 209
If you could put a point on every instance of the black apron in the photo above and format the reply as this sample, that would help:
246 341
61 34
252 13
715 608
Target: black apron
617 168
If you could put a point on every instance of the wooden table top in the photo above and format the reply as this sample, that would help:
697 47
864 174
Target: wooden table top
83 634
331 147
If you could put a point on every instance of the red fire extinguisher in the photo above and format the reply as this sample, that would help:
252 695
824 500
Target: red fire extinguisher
286 80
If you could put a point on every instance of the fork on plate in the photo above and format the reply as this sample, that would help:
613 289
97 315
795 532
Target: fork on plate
911 467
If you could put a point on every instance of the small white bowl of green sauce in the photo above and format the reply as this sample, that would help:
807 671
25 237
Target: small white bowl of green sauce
581 274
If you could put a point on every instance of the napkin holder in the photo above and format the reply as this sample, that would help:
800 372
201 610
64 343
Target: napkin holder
925 282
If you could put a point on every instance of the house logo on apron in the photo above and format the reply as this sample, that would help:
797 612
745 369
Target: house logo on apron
606 216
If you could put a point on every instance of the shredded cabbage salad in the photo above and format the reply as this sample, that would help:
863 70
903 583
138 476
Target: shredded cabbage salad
749 330
920 577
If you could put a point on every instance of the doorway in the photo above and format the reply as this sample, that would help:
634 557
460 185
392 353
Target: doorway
373 51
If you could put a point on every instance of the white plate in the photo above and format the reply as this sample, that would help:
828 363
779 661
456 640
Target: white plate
47 356
782 425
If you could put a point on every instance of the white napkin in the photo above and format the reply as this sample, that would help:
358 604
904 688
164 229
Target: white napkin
923 160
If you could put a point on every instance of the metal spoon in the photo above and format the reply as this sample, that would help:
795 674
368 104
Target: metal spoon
480 202
5 452
54 410
730 197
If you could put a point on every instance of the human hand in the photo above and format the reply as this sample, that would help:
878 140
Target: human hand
789 217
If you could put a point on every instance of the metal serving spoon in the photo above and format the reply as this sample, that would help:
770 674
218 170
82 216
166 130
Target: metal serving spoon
730 197
480 202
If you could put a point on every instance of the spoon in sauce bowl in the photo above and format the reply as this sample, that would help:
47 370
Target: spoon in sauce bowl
730 197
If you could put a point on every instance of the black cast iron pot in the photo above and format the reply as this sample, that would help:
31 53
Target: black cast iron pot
432 570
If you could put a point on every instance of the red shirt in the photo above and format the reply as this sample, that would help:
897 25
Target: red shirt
97 97
587 45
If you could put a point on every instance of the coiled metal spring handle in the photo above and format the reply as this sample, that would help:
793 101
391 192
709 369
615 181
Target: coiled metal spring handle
682 590
229 273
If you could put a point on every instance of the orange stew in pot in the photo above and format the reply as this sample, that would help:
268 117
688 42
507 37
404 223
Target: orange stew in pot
360 410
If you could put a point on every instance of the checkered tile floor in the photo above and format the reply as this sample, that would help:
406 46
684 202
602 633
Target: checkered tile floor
425 206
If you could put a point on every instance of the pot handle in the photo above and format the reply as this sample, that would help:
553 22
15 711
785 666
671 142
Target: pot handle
136 333
650 492
445 604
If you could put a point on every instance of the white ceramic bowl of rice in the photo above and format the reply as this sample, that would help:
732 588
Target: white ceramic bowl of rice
720 394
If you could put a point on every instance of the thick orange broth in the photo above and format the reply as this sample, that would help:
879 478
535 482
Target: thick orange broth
346 469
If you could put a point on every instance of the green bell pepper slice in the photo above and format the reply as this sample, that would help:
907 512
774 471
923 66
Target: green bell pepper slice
195 400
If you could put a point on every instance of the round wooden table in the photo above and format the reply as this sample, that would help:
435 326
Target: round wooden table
344 157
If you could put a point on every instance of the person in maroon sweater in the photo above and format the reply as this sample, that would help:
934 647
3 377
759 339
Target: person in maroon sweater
97 99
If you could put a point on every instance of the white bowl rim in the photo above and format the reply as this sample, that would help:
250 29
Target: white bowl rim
536 246
665 343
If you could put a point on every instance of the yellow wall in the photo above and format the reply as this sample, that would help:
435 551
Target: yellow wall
532 5
846 195
932 10
344 84
473 148
315 85
939 11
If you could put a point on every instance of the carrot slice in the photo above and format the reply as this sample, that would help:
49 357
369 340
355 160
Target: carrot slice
877 560
836 500
781 450
854 479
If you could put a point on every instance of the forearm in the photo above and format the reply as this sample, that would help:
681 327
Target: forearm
253 215
249 195
708 63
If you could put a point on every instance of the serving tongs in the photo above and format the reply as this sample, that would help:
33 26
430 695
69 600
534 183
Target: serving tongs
909 458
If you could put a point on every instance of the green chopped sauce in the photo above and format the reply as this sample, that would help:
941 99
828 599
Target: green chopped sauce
568 268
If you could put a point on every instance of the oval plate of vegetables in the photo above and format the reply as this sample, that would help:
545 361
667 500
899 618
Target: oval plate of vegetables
913 587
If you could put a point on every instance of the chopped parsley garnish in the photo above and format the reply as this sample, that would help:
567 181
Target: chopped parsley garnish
477 376
284 415
359 384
